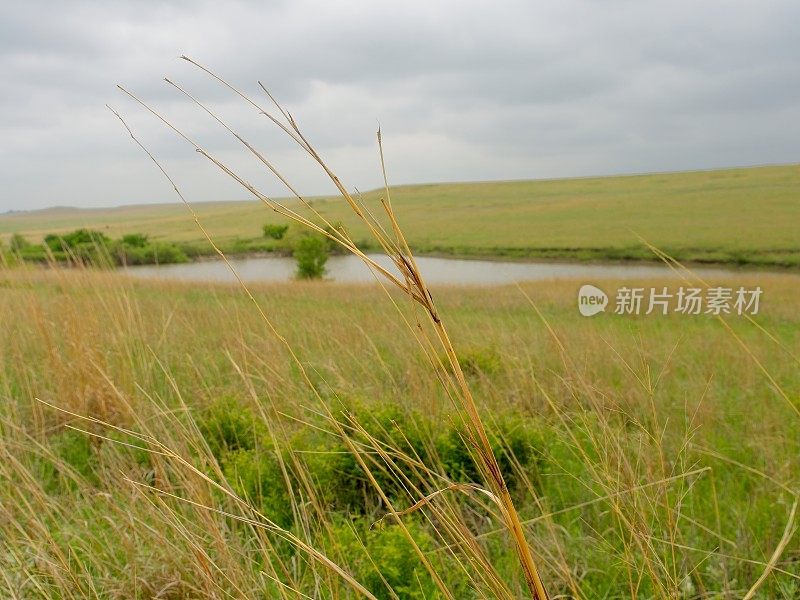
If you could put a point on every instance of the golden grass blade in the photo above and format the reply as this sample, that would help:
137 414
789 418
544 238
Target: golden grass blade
418 290
422 502
788 533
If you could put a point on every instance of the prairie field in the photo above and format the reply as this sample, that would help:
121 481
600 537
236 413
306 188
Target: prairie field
249 350
180 441
395 440
738 216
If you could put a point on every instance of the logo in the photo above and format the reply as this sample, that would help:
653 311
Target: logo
714 301
591 300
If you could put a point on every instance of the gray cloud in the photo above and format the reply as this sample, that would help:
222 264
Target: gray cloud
463 90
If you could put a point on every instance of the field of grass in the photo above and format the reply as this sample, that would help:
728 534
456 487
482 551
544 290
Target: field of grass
649 457
315 440
741 216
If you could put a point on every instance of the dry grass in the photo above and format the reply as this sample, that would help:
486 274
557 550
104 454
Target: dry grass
430 330
241 445
666 454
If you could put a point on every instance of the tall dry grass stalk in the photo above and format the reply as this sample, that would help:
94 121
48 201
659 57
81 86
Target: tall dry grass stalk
430 330
619 405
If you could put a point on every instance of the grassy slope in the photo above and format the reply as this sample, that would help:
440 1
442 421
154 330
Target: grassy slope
736 215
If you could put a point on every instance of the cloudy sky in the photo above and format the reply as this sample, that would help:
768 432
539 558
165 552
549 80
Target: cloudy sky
462 90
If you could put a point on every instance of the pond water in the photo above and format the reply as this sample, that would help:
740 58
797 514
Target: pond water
350 269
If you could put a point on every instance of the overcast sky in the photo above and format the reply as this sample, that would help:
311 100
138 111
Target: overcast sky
462 90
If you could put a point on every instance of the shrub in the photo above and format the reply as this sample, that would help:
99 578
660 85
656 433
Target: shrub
399 564
256 476
135 240
150 253
54 242
276 232
76 239
518 440
164 253
340 480
513 441
484 361
384 556
249 460
96 248
84 245
311 253
227 425
476 361
18 242
343 485
37 253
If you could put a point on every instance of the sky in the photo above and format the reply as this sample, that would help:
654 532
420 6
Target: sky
462 90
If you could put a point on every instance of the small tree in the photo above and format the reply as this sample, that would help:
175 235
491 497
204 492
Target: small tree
276 232
311 253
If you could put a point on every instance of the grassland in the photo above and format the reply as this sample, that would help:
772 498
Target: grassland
651 457
315 440
741 216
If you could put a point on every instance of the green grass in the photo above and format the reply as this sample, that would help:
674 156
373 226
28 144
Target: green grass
318 440
741 216
630 402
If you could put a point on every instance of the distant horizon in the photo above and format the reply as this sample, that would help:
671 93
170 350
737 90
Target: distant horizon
461 92
55 207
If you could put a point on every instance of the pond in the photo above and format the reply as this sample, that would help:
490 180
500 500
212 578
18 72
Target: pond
350 269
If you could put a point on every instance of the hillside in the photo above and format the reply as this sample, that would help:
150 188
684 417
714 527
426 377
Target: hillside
748 215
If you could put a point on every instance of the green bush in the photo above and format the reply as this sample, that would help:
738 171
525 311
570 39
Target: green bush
338 479
402 569
276 232
18 242
479 361
513 441
135 240
82 245
311 254
250 461
343 485
385 556
239 441
54 242
256 476
38 253
164 253
97 249
147 254
227 426
80 238
341 482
